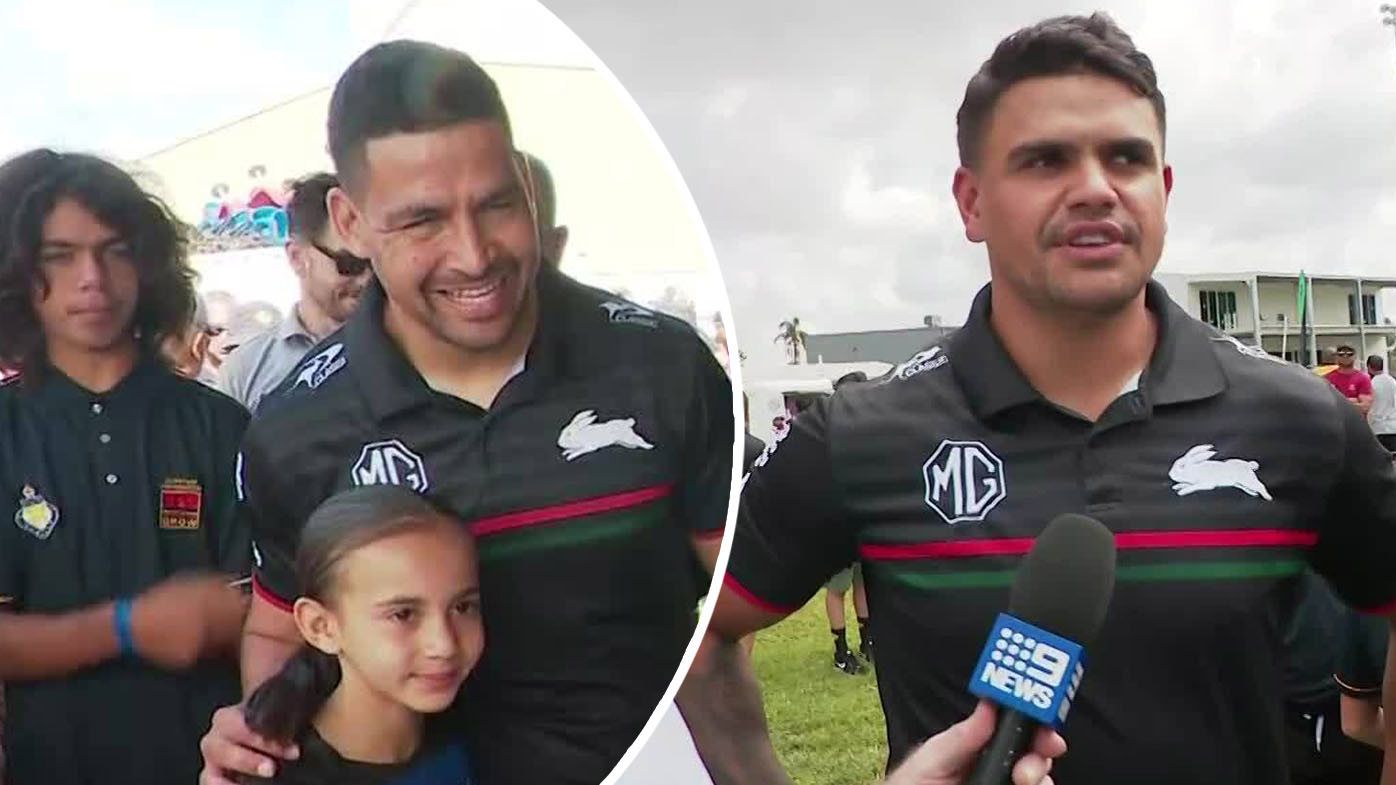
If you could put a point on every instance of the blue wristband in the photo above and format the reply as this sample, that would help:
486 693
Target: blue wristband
122 619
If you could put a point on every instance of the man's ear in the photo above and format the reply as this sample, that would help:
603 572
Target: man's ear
554 243
349 223
965 188
295 256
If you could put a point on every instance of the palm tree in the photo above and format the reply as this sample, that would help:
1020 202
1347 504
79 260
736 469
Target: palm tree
794 339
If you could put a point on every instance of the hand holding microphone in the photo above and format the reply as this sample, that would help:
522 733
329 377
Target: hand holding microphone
1031 665
1033 661
946 758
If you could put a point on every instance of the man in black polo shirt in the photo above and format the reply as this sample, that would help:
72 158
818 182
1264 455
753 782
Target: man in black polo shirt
116 474
588 441
1221 470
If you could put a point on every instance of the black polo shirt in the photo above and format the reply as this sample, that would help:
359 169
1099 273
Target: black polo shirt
1312 642
1362 656
1222 475
106 495
584 483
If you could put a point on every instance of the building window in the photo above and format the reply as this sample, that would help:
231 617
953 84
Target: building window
1218 309
1369 309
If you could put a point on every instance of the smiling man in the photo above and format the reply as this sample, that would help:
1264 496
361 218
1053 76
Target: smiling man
587 441
1074 386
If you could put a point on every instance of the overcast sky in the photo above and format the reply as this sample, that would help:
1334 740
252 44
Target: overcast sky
818 140
816 137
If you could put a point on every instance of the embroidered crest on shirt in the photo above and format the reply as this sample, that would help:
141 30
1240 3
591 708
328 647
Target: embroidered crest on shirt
629 313
1196 471
36 515
584 434
1250 351
965 480
321 367
390 462
181 504
927 360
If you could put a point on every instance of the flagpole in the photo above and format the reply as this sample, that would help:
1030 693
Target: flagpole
1303 307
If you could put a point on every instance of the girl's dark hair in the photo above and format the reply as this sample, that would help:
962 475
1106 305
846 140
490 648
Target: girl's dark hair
284 706
30 185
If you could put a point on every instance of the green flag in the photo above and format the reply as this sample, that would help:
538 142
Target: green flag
1304 318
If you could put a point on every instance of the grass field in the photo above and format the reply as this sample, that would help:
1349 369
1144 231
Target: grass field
827 726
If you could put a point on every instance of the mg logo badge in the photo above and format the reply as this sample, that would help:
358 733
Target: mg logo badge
390 463
964 481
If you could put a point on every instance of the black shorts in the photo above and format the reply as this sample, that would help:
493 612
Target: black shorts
1319 753
1388 440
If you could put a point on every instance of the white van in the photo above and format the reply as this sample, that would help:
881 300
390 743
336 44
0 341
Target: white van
779 397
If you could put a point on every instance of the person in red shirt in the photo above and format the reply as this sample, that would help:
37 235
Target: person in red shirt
1354 384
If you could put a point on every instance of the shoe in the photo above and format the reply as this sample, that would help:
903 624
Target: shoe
847 662
865 648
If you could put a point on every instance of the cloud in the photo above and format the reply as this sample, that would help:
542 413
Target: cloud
887 206
826 187
724 104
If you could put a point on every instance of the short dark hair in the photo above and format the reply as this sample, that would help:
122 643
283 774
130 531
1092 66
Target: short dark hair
1062 45
31 184
306 213
1377 362
405 87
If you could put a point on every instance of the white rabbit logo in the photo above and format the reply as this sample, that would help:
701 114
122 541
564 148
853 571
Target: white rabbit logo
1196 471
584 434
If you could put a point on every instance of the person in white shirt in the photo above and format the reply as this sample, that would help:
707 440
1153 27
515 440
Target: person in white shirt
1382 415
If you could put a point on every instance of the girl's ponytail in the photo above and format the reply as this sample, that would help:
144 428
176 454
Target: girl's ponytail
283 707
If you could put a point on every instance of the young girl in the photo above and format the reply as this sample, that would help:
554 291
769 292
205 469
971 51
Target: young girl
390 614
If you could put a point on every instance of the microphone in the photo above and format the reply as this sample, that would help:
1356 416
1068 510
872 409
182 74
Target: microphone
1033 661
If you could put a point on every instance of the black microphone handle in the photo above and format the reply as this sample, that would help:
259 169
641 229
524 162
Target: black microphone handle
1011 740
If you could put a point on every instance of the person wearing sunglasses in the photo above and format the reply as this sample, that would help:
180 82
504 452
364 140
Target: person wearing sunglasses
1352 382
331 279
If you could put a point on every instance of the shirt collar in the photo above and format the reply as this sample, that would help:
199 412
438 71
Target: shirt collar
390 382
1184 365
291 326
62 392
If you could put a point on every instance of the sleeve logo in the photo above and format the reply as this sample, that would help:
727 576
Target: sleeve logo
321 367
621 312
928 360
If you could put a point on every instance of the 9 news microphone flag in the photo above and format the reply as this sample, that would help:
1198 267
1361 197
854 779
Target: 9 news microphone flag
1034 659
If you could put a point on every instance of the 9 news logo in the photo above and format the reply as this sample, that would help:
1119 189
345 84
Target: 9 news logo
1029 670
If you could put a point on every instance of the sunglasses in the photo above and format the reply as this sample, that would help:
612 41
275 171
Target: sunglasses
345 263
1344 354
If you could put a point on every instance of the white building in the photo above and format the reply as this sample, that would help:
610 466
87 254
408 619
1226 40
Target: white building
1262 309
